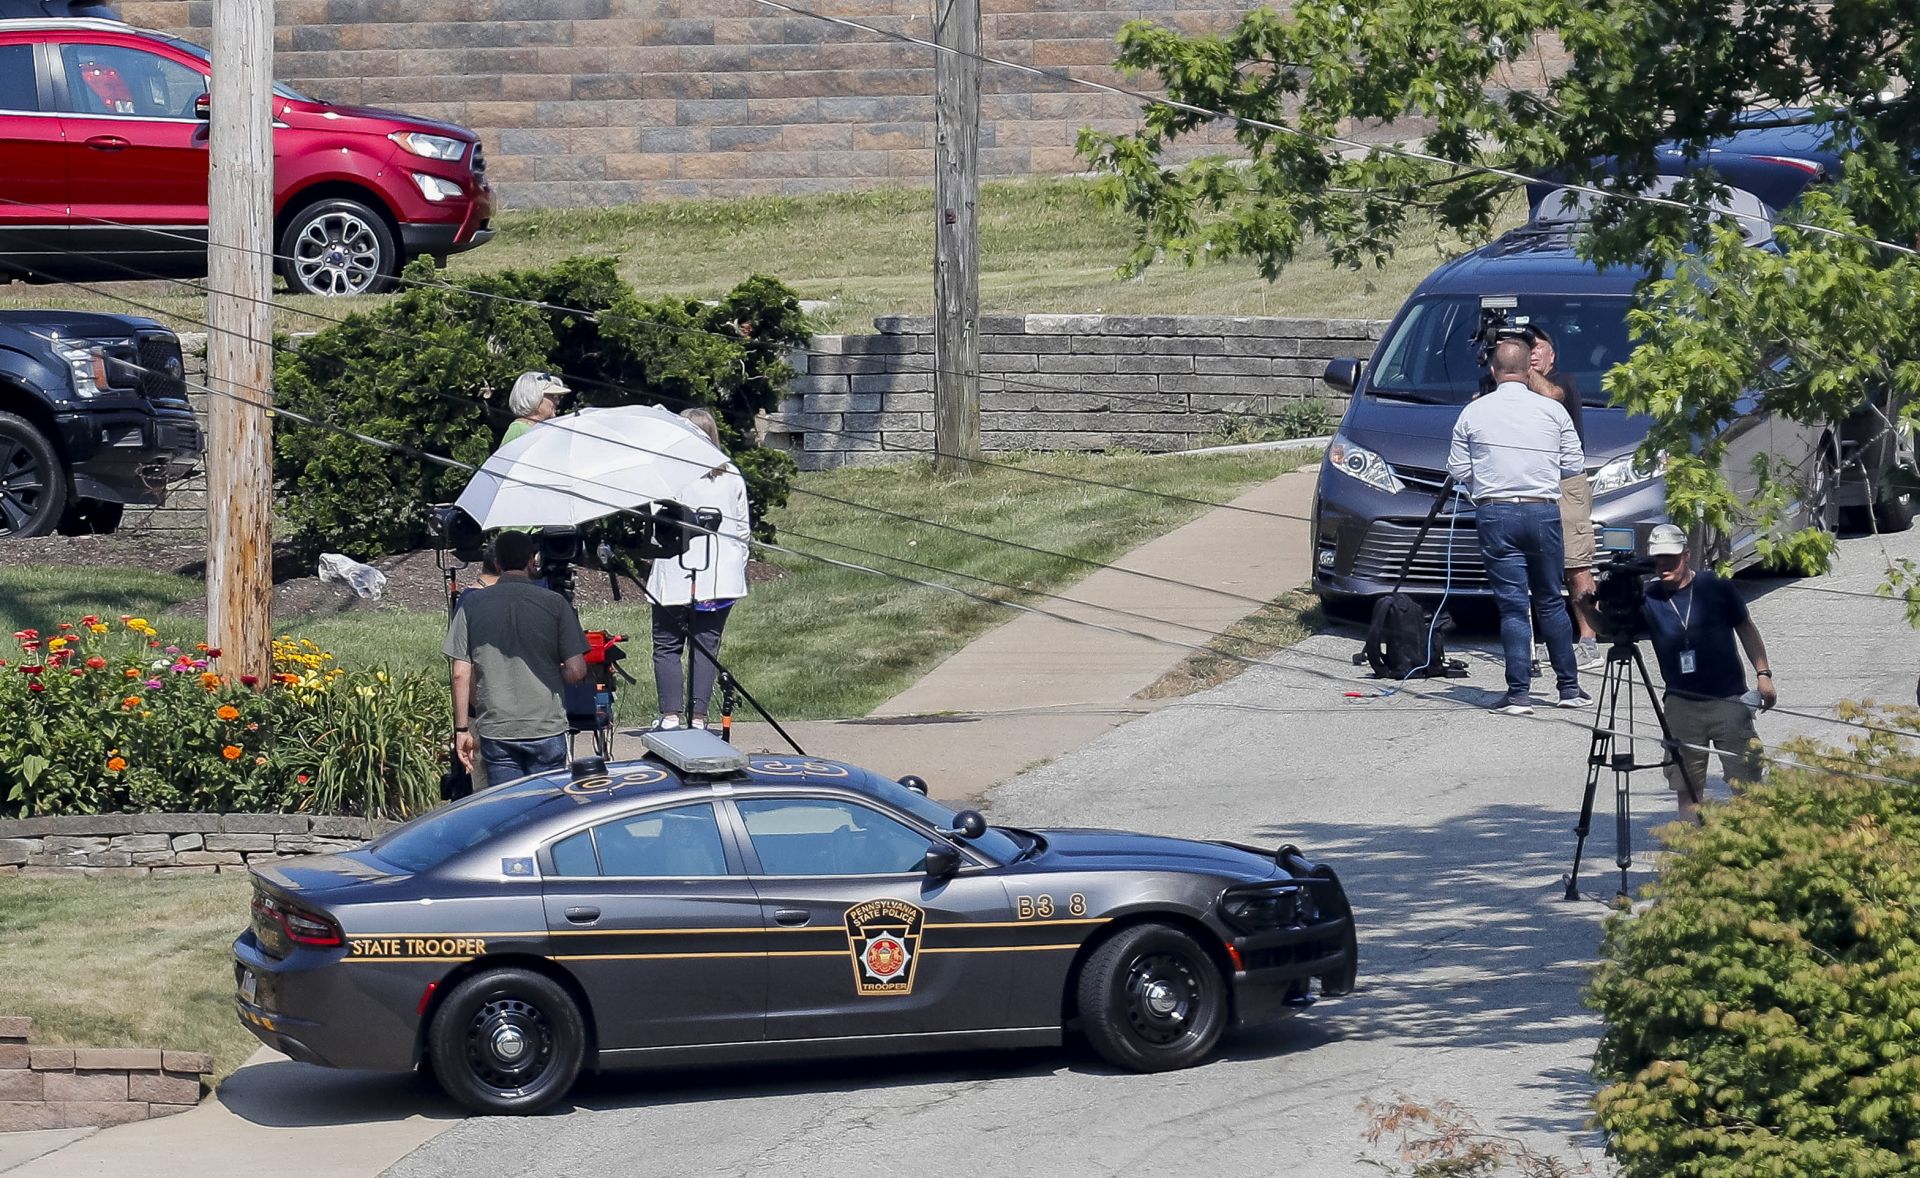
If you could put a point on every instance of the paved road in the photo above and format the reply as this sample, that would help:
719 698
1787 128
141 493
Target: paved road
1452 830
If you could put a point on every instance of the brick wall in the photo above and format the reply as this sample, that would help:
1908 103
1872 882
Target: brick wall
71 1087
1060 382
590 102
171 844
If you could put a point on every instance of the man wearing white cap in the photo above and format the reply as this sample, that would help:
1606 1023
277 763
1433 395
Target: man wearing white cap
1693 618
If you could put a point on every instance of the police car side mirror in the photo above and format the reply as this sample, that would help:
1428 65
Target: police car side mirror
967 824
942 860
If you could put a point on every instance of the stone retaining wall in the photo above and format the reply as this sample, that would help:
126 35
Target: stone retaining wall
71 1087
171 844
1060 382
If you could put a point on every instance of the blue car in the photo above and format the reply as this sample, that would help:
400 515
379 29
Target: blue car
1386 465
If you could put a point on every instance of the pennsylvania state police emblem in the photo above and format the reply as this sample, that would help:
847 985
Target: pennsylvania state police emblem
884 936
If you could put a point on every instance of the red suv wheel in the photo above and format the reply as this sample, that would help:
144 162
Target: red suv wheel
338 247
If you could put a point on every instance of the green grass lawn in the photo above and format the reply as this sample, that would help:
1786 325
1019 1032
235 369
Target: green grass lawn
1045 245
823 641
126 962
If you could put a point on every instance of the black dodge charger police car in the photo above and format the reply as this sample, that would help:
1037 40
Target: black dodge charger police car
700 905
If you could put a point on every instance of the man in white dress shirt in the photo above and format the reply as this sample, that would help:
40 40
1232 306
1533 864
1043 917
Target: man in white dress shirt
1510 450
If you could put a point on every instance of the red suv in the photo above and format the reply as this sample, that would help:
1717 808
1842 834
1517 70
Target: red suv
103 168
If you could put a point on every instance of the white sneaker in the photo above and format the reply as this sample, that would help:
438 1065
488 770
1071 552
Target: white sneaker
666 723
1579 699
1513 706
1586 652
700 722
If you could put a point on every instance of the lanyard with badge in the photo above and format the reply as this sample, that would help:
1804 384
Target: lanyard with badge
1687 660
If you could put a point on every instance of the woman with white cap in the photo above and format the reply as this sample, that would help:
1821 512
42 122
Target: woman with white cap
693 595
535 398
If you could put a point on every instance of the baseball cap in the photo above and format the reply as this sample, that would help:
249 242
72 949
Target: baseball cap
531 388
1666 540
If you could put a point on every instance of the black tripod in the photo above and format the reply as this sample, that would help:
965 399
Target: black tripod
1622 655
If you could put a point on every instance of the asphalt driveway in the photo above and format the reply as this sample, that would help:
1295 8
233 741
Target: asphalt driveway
1452 830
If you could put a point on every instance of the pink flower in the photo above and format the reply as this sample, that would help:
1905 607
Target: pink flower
152 683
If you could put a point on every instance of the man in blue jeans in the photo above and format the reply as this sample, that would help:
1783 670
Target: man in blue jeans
512 645
1510 450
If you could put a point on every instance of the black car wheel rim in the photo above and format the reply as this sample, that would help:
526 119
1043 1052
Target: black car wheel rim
509 1045
1163 997
23 485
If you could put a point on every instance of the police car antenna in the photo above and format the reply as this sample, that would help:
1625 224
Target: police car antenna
1620 593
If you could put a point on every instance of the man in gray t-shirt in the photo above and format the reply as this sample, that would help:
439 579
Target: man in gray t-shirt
514 645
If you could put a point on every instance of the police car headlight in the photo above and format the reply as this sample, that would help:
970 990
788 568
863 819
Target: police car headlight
1261 910
1358 462
1628 470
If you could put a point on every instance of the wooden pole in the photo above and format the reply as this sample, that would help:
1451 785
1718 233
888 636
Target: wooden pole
956 269
240 339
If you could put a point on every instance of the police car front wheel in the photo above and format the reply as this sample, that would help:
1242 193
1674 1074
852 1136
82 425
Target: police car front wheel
1152 1000
507 1041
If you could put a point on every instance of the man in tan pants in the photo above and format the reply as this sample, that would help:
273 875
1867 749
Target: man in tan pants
1693 618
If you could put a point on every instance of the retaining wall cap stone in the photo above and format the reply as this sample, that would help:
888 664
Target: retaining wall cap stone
264 823
25 828
15 1027
53 1059
139 1059
339 826
197 1062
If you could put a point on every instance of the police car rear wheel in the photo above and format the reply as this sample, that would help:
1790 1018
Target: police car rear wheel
507 1041
1151 1000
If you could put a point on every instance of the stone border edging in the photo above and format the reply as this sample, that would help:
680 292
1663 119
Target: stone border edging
72 1087
172 844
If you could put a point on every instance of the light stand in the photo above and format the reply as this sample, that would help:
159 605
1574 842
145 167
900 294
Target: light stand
1624 665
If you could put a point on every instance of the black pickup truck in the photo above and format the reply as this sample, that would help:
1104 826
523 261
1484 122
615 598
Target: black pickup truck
93 416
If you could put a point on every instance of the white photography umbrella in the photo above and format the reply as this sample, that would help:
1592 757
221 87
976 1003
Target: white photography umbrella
588 464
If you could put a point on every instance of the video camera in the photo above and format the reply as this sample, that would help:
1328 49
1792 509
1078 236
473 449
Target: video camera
663 530
1500 319
1621 584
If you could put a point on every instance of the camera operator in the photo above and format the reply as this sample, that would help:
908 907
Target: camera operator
513 644
696 604
1509 452
1693 618
1576 497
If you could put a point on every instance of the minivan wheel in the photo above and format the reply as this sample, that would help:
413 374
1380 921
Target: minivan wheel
338 247
1894 513
33 485
1823 498
507 1041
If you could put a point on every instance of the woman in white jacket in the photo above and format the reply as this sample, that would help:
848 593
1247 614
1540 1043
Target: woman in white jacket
697 602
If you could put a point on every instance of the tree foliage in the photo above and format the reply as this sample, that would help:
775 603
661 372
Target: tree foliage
1763 1015
1817 323
431 369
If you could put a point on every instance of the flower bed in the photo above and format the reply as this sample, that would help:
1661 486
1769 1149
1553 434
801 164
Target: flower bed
98 717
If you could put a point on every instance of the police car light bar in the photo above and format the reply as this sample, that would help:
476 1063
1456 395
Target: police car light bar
695 752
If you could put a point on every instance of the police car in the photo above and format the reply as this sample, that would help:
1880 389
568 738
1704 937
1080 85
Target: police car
700 905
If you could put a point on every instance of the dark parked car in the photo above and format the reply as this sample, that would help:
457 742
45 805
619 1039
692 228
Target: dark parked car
699 905
103 137
93 416
1386 465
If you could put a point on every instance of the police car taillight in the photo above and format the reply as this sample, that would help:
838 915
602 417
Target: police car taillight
302 927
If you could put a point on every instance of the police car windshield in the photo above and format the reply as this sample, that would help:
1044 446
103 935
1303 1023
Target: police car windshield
1430 355
996 844
432 839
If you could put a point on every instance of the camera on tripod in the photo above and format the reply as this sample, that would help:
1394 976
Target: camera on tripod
1500 319
1620 588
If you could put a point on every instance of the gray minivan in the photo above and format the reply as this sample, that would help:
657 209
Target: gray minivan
1386 465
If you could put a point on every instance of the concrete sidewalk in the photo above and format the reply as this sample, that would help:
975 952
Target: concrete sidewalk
1038 687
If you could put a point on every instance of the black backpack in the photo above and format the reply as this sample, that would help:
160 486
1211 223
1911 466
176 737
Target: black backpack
1398 638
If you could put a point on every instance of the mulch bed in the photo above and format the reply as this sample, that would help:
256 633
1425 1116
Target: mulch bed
414 580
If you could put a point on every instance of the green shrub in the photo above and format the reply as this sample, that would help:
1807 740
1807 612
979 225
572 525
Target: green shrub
99 718
1307 418
431 369
1763 1015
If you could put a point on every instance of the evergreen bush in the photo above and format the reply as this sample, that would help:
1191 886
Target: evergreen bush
1763 1014
430 369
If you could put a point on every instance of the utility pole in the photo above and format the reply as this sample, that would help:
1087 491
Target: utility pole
956 267
240 339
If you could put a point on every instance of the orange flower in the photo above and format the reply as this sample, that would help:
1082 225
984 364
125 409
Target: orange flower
228 712
232 752
131 672
209 680
116 764
130 703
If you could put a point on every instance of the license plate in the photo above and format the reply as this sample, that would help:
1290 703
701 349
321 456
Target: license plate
249 986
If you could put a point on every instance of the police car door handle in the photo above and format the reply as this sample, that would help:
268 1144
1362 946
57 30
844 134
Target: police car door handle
791 916
583 915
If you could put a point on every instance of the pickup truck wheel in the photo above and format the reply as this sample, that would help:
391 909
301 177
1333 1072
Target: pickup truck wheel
33 485
338 247
1151 1000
